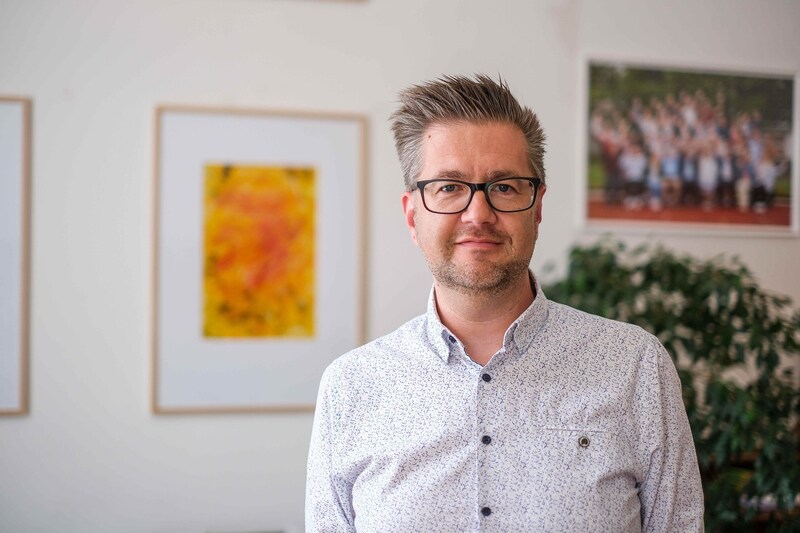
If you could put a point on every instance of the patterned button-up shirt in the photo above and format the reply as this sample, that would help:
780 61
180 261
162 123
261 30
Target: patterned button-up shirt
575 424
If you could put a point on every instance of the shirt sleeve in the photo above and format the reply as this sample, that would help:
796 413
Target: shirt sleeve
671 493
328 497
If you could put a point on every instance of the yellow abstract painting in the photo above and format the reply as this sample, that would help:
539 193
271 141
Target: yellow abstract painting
258 251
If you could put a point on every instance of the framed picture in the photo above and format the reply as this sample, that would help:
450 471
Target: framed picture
682 149
15 158
258 279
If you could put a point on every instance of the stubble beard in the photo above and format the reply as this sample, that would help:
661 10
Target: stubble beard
478 278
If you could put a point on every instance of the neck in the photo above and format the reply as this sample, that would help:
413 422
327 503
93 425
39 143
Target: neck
480 320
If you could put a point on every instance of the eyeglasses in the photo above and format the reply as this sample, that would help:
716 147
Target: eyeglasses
507 195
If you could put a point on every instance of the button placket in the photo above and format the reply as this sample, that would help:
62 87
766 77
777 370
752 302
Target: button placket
488 400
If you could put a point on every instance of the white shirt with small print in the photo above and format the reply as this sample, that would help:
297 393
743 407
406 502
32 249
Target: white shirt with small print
575 424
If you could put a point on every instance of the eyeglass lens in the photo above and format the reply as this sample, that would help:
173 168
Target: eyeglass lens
446 196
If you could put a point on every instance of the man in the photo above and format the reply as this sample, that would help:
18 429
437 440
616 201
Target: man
497 410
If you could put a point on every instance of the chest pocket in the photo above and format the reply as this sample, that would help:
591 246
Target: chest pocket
582 474
590 459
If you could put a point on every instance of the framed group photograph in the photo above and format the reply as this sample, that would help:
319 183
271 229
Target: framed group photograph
258 279
681 149
15 160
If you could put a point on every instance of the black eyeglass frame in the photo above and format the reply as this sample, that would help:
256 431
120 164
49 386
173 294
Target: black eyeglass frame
473 187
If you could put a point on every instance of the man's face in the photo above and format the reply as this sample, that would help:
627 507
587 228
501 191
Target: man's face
478 250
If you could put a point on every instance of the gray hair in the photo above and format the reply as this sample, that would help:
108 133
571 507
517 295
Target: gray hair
459 99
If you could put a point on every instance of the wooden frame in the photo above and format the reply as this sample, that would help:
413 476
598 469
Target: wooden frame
206 358
15 191
618 92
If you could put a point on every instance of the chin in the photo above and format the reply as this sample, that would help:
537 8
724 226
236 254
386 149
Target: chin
486 277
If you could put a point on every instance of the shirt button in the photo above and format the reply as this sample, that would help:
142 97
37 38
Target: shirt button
486 439
451 338
486 511
487 378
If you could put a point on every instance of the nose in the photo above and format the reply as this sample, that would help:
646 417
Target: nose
479 211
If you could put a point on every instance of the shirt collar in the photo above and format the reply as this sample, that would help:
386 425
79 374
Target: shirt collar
525 328
521 332
438 335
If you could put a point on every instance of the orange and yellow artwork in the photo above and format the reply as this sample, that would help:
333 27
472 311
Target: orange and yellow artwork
258 251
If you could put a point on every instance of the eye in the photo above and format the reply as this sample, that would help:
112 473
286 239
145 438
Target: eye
447 188
505 187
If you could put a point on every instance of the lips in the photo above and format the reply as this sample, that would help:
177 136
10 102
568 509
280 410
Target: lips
478 242
485 241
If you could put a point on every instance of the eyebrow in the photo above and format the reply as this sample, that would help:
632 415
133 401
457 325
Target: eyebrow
503 174
458 175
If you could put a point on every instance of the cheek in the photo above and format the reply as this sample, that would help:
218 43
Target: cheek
422 230
528 235
434 237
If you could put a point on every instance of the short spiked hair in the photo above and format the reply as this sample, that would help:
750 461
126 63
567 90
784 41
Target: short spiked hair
460 99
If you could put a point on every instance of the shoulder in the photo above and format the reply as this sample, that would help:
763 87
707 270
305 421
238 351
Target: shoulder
385 352
610 337
566 317
355 384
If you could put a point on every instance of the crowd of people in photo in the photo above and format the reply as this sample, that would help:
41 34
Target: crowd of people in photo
687 150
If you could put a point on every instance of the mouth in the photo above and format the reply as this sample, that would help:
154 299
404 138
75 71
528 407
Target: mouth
478 244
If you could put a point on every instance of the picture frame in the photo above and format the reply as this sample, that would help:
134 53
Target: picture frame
15 192
258 256
688 149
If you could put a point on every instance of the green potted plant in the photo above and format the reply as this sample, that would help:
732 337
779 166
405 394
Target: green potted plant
736 347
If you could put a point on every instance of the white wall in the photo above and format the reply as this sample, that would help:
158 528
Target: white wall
91 456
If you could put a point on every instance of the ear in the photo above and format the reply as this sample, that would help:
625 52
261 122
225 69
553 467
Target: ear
542 190
408 210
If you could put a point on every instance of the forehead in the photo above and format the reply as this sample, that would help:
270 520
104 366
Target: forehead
475 150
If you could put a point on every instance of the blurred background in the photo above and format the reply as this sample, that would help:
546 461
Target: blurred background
90 455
